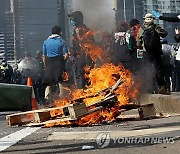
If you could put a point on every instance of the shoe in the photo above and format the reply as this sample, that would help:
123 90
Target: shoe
168 92
161 90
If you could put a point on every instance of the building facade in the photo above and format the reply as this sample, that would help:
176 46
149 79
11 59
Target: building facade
34 20
25 24
129 9
7 44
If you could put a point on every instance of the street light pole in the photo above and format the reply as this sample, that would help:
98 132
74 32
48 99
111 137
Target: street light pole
14 29
124 10
134 7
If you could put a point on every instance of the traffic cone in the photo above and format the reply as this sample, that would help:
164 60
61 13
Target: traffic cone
33 101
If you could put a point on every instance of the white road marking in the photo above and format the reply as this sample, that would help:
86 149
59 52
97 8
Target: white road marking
13 138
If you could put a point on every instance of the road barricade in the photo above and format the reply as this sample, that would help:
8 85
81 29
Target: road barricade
15 97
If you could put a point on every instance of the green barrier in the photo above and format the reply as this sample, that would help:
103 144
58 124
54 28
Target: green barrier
15 97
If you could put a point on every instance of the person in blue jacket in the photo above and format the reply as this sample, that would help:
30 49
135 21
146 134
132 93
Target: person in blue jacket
55 52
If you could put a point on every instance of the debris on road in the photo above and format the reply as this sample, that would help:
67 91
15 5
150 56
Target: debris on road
87 147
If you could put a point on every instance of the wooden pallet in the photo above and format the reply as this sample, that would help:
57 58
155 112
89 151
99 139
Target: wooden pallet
133 112
38 116
64 120
30 116
53 122
72 111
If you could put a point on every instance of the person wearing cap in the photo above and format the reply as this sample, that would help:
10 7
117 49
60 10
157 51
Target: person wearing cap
149 23
153 54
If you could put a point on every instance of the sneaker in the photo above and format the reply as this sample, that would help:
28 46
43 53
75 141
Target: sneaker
168 92
161 90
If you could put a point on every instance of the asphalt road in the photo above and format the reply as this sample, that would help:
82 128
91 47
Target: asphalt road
140 138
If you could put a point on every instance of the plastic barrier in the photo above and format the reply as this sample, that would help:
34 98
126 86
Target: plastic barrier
15 97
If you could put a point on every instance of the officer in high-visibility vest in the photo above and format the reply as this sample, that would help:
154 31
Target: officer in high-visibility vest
6 72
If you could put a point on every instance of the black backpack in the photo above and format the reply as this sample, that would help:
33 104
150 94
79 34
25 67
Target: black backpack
151 39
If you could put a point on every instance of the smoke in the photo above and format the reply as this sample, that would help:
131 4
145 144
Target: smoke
98 14
146 75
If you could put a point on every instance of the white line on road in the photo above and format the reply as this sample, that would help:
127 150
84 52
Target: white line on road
13 138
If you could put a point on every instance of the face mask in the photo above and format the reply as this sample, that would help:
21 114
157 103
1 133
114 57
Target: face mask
72 23
149 20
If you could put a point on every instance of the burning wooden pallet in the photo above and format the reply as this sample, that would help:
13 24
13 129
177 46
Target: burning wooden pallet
69 113
72 111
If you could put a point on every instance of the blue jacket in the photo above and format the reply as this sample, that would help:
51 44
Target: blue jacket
54 46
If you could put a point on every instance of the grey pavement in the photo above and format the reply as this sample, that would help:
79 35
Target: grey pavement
140 137
41 142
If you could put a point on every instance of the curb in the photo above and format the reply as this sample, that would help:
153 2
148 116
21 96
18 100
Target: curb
163 103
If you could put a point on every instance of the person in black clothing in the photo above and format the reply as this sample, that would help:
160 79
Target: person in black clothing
16 76
169 19
137 60
6 72
177 36
81 59
152 48
39 88
168 62
176 72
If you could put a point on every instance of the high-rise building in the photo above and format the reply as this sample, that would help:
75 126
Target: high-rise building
25 24
34 20
6 31
129 9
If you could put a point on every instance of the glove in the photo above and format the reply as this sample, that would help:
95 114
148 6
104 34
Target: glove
155 14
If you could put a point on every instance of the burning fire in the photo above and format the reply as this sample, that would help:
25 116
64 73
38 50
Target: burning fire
88 45
100 79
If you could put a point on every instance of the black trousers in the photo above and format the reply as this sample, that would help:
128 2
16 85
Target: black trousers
53 70
156 60
176 76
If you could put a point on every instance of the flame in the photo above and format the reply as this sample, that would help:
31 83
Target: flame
88 44
59 103
65 76
101 80
61 123
93 50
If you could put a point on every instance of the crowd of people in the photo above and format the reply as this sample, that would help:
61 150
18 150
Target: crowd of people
139 48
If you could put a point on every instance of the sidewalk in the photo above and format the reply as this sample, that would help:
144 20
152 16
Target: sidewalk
163 103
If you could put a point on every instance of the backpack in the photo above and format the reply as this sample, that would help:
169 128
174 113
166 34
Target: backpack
151 39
